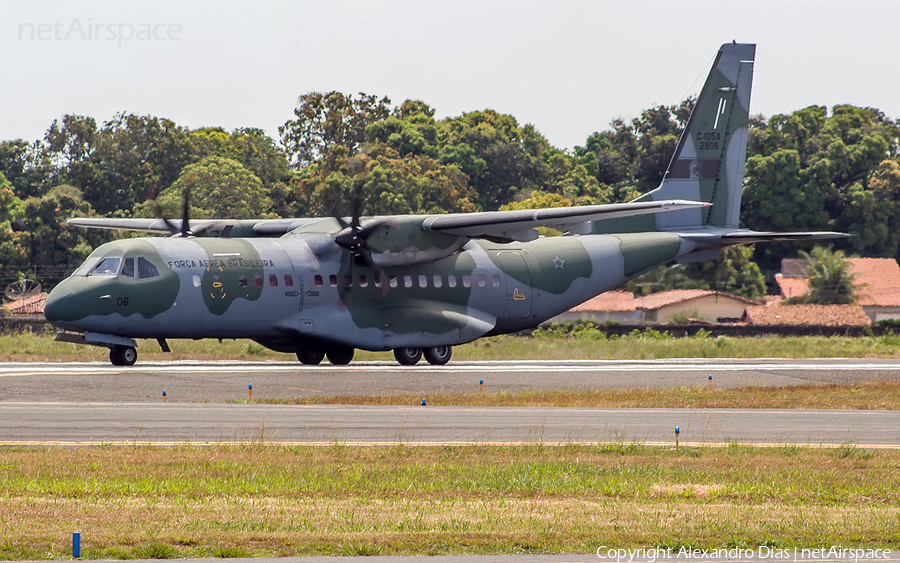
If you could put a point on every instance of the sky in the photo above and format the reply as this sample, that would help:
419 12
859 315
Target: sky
567 67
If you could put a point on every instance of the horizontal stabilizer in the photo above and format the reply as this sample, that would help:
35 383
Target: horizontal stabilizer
731 238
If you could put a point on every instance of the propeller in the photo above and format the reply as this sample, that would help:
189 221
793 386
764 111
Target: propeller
353 236
185 230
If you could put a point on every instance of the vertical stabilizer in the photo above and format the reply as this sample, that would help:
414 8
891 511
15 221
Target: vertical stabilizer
708 163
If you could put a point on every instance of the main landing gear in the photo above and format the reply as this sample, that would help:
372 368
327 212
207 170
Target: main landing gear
122 355
337 356
436 356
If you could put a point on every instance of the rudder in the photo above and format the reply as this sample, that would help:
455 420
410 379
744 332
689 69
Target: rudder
708 163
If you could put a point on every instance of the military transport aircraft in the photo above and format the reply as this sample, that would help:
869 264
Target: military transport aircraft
419 284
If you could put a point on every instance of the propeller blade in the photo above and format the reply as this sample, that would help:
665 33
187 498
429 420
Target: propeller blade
186 214
355 208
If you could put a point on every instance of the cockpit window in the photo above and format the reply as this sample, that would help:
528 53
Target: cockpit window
128 267
146 269
107 267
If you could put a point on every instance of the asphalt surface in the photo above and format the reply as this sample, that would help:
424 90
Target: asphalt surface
227 381
72 404
212 423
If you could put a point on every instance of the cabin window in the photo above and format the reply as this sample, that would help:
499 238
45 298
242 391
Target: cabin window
407 281
106 267
146 269
423 280
392 280
317 280
377 280
438 282
289 281
495 280
348 281
482 281
196 279
332 280
467 280
242 280
257 280
363 281
273 280
451 281
128 267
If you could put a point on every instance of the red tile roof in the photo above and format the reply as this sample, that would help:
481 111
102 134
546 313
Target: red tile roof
790 286
30 306
657 300
608 301
810 315
878 280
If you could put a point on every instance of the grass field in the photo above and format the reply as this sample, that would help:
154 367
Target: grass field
585 344
876 395
262 499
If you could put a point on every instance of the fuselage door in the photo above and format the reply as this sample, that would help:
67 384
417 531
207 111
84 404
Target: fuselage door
519 293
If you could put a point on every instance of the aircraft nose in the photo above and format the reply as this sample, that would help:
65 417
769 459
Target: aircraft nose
55 307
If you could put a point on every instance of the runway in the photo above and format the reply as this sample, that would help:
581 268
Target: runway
208 423
227 381
77 404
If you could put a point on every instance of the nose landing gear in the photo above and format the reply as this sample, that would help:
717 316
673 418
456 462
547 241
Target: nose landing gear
122 355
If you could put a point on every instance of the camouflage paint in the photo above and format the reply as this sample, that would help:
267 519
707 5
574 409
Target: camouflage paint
708 163
644 251
231 270
560 261
104 295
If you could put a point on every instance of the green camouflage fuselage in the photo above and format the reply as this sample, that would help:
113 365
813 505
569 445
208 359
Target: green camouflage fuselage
283 294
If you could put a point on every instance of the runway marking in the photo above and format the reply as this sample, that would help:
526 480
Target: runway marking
430 444
599 366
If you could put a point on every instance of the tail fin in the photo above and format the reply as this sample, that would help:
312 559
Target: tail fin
708 163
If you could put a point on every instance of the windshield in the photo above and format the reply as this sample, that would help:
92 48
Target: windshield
106 267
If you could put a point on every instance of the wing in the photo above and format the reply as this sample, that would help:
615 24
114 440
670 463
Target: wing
508 226
201 227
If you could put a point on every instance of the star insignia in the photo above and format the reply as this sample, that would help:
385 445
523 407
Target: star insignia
559 263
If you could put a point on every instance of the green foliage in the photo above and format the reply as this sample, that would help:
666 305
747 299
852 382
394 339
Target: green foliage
830 279
219 188
326 121
812 171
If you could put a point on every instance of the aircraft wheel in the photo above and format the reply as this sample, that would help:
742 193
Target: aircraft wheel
122 355
340 356
439 355
311 357
408 356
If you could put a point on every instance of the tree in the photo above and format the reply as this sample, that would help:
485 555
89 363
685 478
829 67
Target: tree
830 279
52 242
324 121
133 160
219 188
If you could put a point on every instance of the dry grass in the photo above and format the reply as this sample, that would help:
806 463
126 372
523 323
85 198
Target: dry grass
271 500
876 395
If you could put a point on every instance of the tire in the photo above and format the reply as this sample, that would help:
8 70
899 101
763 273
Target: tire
340 356
311 357
408 356
122 355
439 355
